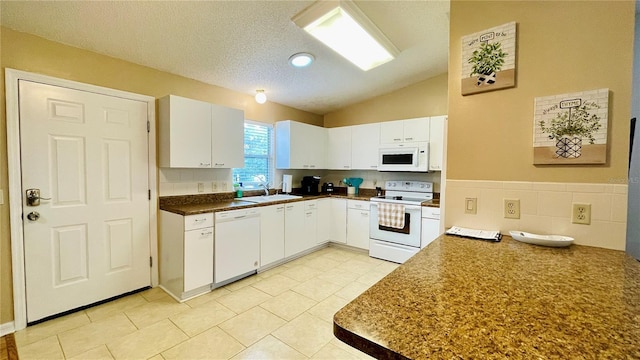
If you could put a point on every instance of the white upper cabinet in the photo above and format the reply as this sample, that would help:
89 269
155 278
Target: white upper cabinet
416 129
185 133
391 132
300 145
400 131
339 148
364 146
436 142
197 134
227 137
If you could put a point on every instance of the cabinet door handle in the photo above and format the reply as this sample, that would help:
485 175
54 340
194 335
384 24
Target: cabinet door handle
205 164
364 213
219 164
410 138
206 233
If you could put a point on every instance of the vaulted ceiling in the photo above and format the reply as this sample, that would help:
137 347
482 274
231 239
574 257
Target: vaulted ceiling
245 45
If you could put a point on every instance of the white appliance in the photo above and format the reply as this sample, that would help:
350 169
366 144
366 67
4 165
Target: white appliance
404 157
287 182
395 244
237 245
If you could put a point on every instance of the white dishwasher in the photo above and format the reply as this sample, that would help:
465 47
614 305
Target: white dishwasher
236 245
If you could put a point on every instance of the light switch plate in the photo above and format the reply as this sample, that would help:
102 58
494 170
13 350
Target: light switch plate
470 205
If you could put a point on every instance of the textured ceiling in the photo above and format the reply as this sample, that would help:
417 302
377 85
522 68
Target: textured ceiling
245 45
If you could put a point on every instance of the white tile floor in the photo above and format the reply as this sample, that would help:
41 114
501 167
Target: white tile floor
284 313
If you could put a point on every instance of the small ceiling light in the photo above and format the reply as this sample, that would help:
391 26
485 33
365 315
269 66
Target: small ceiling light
343 27
301 60
261 97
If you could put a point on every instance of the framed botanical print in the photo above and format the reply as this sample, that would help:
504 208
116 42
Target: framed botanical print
571 128
489 59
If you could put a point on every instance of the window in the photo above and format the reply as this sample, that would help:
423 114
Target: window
258 155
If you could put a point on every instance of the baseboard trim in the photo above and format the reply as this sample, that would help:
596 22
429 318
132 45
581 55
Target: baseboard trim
7 328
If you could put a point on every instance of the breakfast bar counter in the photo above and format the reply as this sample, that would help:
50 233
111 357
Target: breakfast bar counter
472 299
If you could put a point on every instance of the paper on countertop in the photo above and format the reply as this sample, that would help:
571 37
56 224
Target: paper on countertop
475 233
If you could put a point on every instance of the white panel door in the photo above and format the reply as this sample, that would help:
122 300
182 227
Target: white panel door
87 152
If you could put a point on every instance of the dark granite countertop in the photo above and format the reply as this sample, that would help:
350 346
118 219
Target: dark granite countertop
199 204
471 299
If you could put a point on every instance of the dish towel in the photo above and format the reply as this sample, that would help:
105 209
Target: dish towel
391 215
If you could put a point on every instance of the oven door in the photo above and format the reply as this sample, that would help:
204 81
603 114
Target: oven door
409 235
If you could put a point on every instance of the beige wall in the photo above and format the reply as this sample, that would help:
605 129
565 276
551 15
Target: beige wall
30 53
426 98
562 47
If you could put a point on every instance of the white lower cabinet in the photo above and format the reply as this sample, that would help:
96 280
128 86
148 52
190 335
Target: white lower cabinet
294 231
271 234
237 245
186 248
323 235
338 221
310 224
358 224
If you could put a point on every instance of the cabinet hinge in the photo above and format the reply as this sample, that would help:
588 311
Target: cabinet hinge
150 261
148 126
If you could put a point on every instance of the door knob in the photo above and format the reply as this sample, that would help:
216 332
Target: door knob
33 197
33 216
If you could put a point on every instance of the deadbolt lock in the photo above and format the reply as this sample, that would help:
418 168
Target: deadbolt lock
33 216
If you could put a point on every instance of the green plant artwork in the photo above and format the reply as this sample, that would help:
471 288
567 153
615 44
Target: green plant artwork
574 122
487 59
571 128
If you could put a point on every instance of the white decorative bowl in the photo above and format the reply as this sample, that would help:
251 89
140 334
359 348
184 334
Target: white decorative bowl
544 240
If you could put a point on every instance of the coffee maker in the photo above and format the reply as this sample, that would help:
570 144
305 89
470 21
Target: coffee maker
310 185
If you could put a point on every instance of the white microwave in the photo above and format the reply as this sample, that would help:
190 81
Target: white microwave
404 157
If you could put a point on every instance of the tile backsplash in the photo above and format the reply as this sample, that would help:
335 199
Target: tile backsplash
186 181
545 208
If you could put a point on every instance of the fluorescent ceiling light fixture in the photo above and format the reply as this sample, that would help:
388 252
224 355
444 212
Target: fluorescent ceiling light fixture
261 97
301 60
343 27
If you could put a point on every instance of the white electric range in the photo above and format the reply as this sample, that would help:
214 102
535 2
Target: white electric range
399 244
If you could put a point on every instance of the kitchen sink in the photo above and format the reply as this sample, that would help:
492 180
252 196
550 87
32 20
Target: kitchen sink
264 198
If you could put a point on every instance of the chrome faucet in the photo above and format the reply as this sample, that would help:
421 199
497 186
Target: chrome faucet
265 186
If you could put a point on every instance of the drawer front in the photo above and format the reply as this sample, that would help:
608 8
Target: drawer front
358 204
310 205
198 221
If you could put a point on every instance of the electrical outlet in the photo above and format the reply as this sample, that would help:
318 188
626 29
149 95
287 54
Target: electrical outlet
512 208
581 214
223 186
470 205
214 186
200 187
